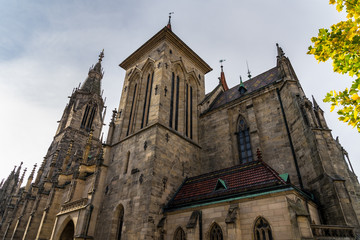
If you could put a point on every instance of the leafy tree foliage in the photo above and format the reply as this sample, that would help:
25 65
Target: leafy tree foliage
341 43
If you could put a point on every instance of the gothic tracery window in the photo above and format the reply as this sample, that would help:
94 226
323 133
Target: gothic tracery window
179 234
262 230
216 232
244 144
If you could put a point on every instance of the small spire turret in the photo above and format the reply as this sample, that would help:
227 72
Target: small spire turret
222 76
242 89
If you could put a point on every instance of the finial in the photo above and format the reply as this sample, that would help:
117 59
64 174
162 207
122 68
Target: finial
280 51
22 177
169 23
101 56
221 65
33 171
249 73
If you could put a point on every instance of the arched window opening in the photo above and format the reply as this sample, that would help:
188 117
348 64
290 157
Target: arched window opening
262 230
88 117
172 100
146 108
179 234
244 144
91 118
131 117
68 232
127 162
177 103
120 223
188 111
216 232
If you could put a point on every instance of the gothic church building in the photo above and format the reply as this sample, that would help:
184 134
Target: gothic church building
256 161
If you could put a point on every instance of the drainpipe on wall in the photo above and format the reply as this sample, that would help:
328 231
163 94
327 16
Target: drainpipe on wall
290 140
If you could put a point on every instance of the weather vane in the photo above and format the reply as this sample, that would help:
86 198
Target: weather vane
249 73
170 16
221 61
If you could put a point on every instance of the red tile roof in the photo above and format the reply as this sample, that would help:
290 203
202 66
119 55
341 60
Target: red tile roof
239 179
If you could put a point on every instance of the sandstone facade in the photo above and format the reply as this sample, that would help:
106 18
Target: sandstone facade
166 131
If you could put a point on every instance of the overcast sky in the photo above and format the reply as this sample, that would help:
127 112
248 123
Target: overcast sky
47 47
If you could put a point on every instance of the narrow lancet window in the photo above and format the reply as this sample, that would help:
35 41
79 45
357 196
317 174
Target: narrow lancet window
188 110
86 113
172 100
244 144
145 116
177 103
120 222
91 118
88 117
131 117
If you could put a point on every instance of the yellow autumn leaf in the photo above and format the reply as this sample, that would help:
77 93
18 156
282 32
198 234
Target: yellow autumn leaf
332 108
354 97
355 114
346 119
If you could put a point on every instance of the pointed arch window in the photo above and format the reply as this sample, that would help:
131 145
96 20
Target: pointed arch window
216 232
88 117
262 230
131 117
174 102
146 108
244 143
120 222
179 234
188 111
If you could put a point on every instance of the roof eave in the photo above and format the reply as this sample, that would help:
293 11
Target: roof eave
167 34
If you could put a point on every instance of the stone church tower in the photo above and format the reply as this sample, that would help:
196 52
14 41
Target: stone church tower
255 161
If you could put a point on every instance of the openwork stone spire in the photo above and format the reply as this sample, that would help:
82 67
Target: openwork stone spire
92 83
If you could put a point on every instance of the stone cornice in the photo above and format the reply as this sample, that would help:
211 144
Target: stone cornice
165 34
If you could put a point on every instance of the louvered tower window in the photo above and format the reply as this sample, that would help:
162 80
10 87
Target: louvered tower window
262 230
244 144
179 234
216 232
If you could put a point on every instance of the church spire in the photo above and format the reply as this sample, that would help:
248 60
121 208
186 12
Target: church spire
242 89
169 23
93 81
222 76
